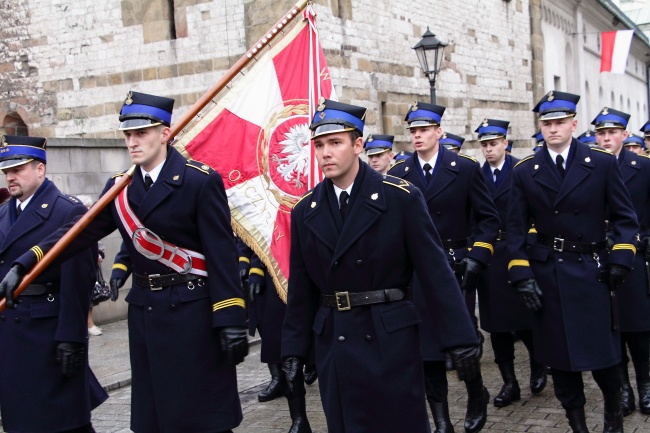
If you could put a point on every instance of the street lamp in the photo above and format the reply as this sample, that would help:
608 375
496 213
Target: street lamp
430 52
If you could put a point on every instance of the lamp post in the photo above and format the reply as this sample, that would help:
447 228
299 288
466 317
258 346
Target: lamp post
430 52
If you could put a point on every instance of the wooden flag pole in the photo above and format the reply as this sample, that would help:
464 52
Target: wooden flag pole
121 183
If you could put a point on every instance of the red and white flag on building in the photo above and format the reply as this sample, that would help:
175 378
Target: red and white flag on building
257 137
615 49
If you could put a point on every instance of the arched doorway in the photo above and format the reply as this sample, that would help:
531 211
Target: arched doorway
13 124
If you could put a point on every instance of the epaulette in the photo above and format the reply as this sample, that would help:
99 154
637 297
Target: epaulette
71 198
471 158
644 155
198 165
120 174
307 194
397 182
525 159
598 149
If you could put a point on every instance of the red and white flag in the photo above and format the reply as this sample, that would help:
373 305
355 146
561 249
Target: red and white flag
257 137
615 49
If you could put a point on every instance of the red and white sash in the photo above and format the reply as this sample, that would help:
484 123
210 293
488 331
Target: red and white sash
151 246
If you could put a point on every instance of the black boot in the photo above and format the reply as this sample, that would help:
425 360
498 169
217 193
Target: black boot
478 399
577 420
537 376
644 397
275 387
613 419
510 391
440 412
310 374
627 394
298 412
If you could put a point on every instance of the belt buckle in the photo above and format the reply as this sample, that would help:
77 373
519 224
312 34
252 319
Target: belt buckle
151 286
345 297
559 248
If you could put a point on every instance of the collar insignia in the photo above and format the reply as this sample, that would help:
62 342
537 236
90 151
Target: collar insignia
375 196
536 167
313 204
453 163
176 177
44 205
587 159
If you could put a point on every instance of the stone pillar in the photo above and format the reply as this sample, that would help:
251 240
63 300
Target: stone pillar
537 48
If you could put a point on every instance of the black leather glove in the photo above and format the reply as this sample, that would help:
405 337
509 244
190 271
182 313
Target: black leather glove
467 361
10 283
234 343
530 294
115 284
70 356
471 273
617 274
646 248
292 368
256 286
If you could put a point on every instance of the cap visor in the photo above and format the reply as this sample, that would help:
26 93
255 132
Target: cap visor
137 124
376 151
422 124
330 128
556 115
10 163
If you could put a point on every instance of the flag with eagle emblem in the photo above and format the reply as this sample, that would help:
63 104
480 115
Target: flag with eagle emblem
257 137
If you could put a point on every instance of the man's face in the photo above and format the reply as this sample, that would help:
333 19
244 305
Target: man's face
337 157
635 148
381 161
24 180
647 142
425 139
558 132
147 146
611 139
494 150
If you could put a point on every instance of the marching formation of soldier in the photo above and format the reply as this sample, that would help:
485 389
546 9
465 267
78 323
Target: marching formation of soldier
387 260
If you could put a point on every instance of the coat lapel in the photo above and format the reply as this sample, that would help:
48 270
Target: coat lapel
368 204
445 173
171 176
580 168
629 165
319 218
543 172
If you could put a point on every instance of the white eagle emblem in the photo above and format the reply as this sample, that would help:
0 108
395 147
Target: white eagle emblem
296 148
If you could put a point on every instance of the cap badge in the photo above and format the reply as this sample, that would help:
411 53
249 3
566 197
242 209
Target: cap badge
605 111
129 99
550 96
415 106
588 134
375 196
313 204
3 141
370 139
486 123
444 135
322 115
587 159
321 104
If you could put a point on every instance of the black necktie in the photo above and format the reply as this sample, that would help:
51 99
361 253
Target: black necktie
19 209
148 181
559 160
427 172
496 174
343 204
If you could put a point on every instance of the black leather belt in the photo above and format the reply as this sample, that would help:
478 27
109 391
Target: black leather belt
501 236
344 301
157 281
450 244
561 244
40 289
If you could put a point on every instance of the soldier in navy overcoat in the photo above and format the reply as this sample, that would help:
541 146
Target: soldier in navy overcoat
186 315
45 382
461 208
502 313
634 293
356 240
566 276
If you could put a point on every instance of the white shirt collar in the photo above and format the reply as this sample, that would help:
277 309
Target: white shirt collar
338 191
565 154
23 204
499 167
153 173
431 162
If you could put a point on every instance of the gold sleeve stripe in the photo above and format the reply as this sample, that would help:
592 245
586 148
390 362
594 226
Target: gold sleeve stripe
232 302
532 230
120 266
485 245
38 252
624 247
518 263
244 259
257 271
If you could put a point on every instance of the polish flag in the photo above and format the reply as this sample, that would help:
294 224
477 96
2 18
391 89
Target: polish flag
616 47
257 137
